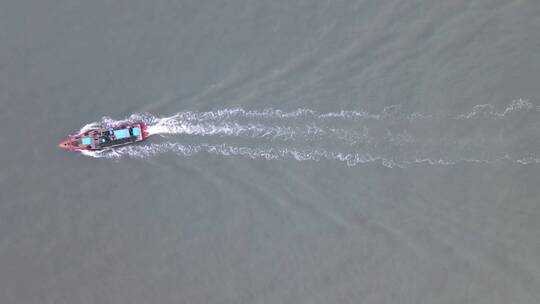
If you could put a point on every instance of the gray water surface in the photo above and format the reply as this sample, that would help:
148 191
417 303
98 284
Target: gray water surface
211 227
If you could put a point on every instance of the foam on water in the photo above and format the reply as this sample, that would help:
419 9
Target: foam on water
392 138
351 159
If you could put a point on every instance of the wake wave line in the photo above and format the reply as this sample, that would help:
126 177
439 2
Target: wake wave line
351 159
391 137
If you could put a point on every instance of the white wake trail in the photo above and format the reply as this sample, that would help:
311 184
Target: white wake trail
350 159
391 137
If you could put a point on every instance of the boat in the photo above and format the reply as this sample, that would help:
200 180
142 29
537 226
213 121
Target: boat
103 138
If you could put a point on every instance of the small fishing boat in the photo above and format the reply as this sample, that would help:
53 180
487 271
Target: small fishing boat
100 139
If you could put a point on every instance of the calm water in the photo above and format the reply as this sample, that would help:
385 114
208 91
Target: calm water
304 152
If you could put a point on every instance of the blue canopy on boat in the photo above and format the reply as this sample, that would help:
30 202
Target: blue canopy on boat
122 133
86 141
136 131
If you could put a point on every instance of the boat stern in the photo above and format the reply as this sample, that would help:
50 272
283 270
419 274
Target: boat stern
144 130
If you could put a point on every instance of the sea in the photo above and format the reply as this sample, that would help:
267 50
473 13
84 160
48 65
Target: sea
307 151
